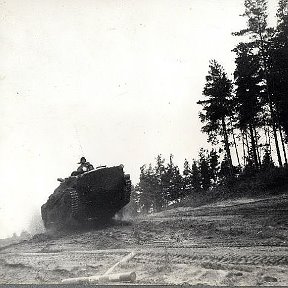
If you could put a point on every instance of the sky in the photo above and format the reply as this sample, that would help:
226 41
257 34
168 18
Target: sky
116 81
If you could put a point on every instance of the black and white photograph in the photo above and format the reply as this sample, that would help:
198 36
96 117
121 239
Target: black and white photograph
144 142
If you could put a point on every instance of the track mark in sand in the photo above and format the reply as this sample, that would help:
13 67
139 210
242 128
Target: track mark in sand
160 255
145 256
235 260
17 265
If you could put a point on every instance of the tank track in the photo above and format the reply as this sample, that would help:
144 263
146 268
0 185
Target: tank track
127 180
128 186
75 202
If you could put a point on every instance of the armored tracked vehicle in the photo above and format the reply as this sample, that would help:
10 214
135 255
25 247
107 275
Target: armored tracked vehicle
92 197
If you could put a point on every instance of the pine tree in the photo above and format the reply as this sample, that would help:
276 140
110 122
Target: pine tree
267 161
259 36
187 177
213 165
195 177
278 70
225 171
147 187
217 106
133 208
172 181
204 170
161 199
248 106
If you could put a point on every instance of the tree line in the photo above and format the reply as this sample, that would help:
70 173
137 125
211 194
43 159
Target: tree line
246 118
164 183
253 109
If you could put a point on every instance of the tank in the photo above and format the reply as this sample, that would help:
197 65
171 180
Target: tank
92 197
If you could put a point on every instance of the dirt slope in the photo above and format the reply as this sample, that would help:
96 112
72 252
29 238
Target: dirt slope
242 242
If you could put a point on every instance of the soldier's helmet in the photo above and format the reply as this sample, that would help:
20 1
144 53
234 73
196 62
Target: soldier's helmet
82 160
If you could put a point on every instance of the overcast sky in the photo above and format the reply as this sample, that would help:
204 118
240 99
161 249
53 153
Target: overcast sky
115 81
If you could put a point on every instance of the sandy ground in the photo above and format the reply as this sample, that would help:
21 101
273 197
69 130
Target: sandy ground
242 242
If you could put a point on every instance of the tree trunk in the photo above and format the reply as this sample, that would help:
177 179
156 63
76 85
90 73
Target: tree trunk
243 145
267 138
226 143
281 137
247 145
253 145
257 146
273 118
235 144
274 131
283 145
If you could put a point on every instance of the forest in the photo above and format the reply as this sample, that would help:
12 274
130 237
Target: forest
245 119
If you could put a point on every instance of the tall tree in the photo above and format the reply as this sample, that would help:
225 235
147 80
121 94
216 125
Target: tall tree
278 70
259 35
217 105
232 131
248 79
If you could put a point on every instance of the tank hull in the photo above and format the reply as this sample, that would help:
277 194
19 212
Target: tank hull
90 197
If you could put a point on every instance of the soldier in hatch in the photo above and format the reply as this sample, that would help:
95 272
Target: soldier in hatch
84 167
